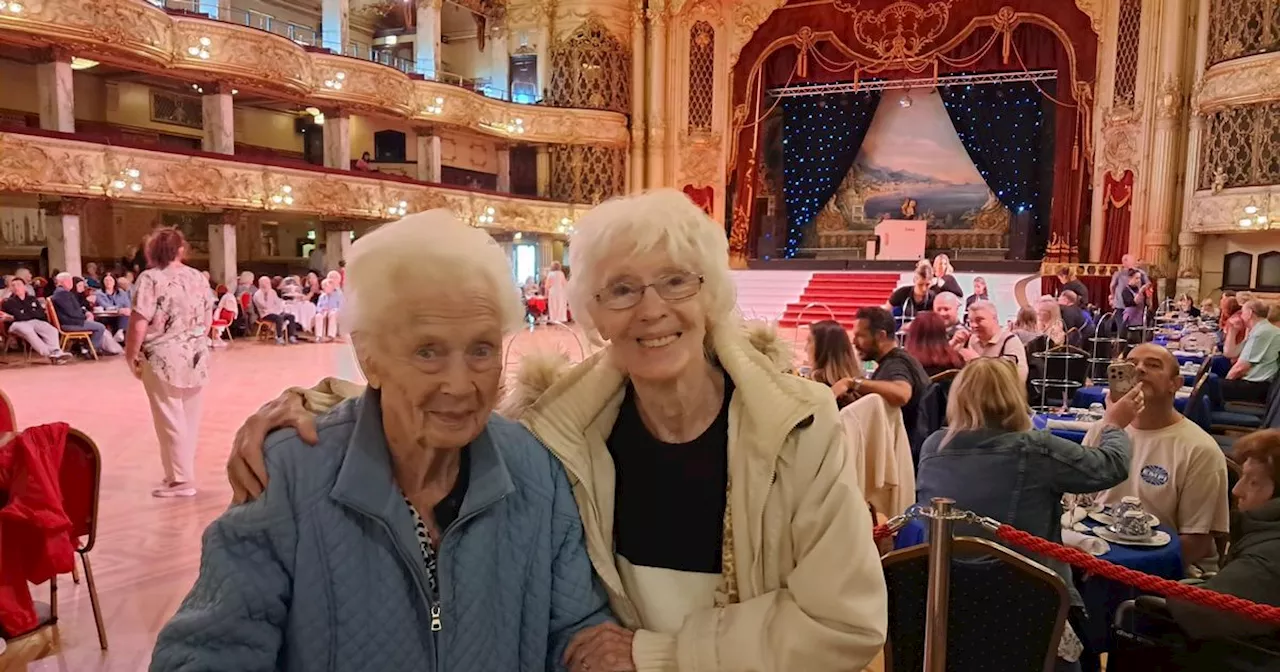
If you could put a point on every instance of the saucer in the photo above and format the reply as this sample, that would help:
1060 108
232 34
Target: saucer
1108 519
1158 538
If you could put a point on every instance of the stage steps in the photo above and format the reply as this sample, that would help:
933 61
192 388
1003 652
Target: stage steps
764 295
843 293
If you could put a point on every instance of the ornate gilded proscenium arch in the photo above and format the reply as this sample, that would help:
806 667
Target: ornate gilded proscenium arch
905 39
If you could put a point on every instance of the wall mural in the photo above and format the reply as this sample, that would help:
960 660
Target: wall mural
913 166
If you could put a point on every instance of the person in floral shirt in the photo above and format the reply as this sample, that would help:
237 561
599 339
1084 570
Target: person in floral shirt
168 350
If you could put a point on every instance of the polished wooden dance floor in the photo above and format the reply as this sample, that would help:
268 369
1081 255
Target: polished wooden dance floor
148 550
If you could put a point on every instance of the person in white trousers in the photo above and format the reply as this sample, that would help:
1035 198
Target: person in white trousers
328 306
29 322
167 348
557 296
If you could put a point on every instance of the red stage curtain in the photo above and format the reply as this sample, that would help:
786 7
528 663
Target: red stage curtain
1032 47
703 197
1117 199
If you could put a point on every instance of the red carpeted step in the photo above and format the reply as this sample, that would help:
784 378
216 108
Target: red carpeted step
838 295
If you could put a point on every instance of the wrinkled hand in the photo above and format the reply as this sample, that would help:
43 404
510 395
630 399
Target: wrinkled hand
603 648
1121 412
247 467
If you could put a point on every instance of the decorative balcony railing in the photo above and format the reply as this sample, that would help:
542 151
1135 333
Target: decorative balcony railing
140 36
63 164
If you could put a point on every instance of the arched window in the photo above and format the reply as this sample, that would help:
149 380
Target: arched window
1127 52
702 68
1269 271
388 146
1237 270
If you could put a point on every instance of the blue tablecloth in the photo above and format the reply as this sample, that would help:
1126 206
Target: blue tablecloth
1097 394
1041 421
1102 596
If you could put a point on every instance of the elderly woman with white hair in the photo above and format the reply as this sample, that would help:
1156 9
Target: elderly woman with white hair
422 532
713 488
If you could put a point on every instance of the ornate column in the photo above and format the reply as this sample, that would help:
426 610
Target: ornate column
504 169
500 63
544 171
335 27
1189 241
337 243
62 227
545 17
428 155
638 126
222 246
1170 102
657 101
337 140
56 94
219 121
426 44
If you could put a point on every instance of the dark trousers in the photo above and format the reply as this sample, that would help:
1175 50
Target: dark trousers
1245 390
286 324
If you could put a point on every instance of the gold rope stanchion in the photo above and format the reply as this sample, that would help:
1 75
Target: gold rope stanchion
939 595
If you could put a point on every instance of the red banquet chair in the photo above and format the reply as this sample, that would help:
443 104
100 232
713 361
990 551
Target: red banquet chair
8 421
80 478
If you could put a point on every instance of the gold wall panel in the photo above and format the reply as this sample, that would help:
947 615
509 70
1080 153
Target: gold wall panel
1221 212
57 166
136 35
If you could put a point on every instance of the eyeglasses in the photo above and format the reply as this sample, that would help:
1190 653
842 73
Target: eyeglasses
674 287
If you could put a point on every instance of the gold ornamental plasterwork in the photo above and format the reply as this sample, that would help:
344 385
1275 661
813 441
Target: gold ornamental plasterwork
1255 79
1220 212
899 31
1094 10
141 37
62 167
747 17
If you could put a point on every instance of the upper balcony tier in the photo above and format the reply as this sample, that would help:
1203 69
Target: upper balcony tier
64 164
139 36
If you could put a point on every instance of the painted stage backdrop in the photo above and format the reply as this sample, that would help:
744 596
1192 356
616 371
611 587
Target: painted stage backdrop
913 166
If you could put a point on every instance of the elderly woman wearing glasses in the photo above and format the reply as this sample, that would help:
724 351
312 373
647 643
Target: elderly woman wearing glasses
712 486
422 532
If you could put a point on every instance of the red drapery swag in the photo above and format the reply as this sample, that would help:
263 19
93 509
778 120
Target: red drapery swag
1033 46
1117 199
703 197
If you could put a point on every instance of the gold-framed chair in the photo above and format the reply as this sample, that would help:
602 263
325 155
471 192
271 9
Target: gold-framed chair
66 338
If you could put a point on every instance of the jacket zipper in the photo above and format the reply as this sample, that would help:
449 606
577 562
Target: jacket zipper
437 604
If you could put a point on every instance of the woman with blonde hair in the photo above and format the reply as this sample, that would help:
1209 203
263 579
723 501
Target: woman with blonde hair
1024 326
1049 321
833 359
944 279
990 461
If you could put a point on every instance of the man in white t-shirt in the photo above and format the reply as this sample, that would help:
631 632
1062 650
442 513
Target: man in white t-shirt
1176 469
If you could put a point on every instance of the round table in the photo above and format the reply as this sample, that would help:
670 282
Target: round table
1103 596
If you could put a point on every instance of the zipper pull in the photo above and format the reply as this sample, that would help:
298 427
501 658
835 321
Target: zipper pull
436 624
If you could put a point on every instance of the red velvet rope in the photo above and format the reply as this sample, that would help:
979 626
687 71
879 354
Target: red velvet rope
1145 582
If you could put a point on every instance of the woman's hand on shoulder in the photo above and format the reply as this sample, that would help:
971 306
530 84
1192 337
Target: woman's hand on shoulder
601 648
247 466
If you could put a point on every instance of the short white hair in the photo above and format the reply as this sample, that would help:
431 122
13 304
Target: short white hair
947 297
984 305
62 276
663 221
426 254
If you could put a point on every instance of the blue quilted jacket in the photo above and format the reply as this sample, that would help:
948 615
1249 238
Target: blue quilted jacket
324 571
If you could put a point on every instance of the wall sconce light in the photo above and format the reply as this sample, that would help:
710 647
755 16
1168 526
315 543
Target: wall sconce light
129 179
284 196
517 236
398 210
201 49
566 226
11 7
437 107
516 126
486 218
197 88
336 83
1253 219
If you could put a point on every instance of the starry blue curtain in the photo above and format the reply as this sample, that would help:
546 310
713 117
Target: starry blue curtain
821 136
1001 127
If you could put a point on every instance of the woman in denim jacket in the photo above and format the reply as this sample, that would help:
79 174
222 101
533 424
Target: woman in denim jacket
991 462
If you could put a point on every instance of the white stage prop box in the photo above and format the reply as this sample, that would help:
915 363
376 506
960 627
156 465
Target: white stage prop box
901 239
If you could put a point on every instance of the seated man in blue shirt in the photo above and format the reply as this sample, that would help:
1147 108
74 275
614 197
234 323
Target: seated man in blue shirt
72 316
1250 377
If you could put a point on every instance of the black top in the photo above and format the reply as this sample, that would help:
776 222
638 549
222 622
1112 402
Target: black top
669 500
23 309
1073 318
898 364
446 510
974 297
1079 288
904 297
948 283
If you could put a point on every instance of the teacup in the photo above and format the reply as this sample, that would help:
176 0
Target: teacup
1126 505
1133 524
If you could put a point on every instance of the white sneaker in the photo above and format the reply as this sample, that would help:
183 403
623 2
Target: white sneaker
120 336
180 490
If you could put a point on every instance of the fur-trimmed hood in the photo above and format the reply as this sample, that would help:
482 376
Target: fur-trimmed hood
538 371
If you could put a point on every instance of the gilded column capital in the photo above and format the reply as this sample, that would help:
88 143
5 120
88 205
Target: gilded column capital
656 17
1170 98
64 206
338 225
232 218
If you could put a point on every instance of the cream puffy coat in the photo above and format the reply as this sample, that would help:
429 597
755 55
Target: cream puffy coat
811 594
